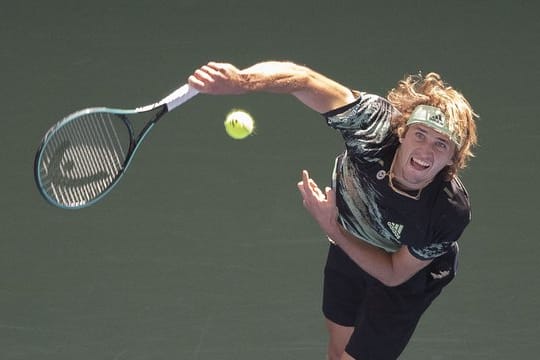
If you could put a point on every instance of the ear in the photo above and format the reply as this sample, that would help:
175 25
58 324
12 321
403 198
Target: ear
454 157
452 160
401 133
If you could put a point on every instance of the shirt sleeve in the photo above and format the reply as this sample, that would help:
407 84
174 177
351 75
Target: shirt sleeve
364 124
439 247
451 217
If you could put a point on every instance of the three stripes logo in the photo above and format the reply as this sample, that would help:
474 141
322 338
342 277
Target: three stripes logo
437 119
396 229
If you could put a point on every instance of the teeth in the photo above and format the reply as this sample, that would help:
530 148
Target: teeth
421 163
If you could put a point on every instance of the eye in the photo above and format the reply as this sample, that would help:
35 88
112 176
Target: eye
419 135
441 145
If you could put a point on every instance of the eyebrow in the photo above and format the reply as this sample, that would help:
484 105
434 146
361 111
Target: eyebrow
441 138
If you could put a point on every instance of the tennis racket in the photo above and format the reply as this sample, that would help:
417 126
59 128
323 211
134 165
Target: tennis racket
83 156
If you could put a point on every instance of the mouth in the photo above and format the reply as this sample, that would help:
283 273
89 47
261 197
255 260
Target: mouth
419 164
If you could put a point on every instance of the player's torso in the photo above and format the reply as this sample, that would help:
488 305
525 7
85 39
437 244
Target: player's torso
372 211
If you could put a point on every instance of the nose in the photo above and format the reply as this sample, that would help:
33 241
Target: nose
427 148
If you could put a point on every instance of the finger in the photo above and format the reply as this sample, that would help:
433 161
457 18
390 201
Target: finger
223 67
310 187
300 186
309 183
215 65
196 83
203 76
315 190
330 195
212 71
305 176
314 187
306 181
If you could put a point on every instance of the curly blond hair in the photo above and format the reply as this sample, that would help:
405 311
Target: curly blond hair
414 90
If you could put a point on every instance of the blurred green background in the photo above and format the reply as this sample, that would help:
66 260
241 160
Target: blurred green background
204 250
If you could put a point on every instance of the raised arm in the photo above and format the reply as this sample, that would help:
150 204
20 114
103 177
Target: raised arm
310 87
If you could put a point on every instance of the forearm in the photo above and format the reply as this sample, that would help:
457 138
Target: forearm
313 89
322 206
389 268
373 260
274 76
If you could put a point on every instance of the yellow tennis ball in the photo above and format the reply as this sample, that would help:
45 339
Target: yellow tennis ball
239 124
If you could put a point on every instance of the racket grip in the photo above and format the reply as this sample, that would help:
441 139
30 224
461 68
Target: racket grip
179 96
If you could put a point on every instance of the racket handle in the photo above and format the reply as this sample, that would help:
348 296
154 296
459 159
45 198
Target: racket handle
179 96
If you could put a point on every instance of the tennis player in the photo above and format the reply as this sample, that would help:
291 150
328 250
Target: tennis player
396 208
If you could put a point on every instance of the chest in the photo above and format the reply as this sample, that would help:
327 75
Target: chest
366 199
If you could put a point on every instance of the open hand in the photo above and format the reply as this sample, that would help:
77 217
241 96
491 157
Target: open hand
321 205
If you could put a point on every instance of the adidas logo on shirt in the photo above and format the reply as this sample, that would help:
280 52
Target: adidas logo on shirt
396 229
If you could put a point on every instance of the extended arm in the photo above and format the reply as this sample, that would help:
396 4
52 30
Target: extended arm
311 88
391 269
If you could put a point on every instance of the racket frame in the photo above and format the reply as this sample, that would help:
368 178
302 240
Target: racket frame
170 102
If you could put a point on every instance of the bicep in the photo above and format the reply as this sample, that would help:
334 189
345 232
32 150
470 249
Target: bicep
323 94
315 90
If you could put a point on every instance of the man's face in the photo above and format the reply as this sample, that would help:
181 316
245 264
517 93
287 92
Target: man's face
423 153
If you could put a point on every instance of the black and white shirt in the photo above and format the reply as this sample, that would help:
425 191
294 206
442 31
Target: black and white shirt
368 208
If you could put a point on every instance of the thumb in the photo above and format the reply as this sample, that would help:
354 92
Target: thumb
330 194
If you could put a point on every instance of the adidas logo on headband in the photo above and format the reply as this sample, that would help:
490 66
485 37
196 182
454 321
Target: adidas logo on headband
437 118
434 118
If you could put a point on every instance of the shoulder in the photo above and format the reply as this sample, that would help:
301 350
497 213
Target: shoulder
366 109
450 213
454 199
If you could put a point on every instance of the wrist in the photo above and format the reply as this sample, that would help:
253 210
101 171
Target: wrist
243 83
334 233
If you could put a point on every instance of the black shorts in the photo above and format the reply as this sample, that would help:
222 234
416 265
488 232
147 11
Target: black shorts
384 317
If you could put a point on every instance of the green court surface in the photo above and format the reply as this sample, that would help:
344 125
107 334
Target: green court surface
204 251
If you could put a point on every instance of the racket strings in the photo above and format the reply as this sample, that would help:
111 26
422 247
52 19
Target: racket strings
83 158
